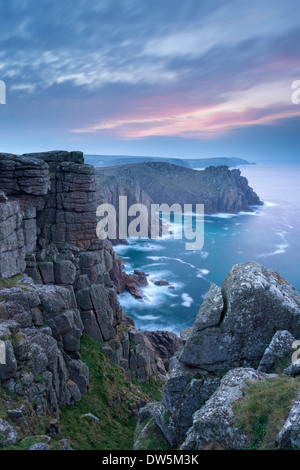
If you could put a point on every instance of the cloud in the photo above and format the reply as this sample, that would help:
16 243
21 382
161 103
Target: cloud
132 70
262 104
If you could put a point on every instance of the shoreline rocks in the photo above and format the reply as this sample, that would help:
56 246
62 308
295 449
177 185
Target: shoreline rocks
248 324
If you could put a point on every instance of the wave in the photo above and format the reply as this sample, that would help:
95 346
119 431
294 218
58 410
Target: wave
186 300
280 248
150 265
222 215
122 249
269 204
227 215
146 317
200 271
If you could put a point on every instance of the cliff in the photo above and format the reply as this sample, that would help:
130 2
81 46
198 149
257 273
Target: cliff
55 284
231 373
218 188
67 341
113 160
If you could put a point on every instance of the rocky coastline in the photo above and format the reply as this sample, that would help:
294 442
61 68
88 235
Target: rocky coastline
59 288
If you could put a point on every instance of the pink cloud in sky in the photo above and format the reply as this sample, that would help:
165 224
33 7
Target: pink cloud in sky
263 104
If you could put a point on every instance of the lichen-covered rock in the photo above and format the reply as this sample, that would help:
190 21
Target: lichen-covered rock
12 243
257 303
40 446
289 436
49 352
185 391
10 368
214 422
8 435
293 370
280 346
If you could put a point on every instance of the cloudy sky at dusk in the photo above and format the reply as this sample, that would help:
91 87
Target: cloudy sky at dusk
193 78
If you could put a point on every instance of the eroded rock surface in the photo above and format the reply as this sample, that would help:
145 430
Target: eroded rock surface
234 327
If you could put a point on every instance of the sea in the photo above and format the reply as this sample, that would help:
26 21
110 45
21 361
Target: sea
270 235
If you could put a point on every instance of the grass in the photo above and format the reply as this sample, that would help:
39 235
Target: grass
11 282
108 398
152 389
281 363
151 437
108 383
264 409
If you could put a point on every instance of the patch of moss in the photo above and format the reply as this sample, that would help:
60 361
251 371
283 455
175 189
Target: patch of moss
39 378
109 396
281 363
167 417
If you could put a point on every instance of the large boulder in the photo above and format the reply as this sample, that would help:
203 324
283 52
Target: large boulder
8 434
234 327
280 346
214 423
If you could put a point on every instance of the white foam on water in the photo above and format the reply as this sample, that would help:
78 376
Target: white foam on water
148 247
200 272
222 215
151 265
146 317
280 248
186 300
269 204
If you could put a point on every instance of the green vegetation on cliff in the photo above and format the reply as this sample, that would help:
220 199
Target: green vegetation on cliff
111 398
264 409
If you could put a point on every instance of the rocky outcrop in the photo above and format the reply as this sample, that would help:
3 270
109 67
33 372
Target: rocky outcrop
12 243
41 328
217 187
125 282
214 423
55 283
280 346
185 391
235 325
250 323
165 344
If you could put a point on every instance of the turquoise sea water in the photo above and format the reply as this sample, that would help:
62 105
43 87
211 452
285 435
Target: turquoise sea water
269 235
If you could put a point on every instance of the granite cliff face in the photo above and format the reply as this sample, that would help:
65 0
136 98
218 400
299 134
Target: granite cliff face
58 281
218 188
240 332
55 283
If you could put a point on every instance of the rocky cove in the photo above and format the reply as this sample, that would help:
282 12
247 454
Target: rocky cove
218 188
59 286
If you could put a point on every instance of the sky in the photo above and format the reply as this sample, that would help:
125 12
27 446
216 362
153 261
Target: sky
193 78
